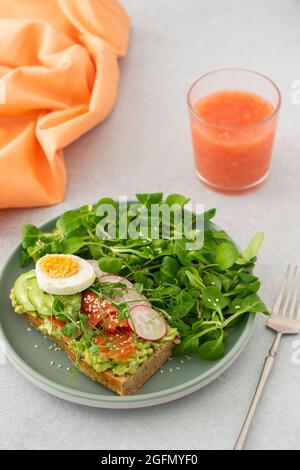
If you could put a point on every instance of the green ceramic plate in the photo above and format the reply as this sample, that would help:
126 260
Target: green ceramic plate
36 358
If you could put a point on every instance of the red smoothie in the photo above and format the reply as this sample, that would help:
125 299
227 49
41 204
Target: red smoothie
233 134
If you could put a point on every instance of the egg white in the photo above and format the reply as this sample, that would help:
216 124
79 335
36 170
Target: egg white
74 284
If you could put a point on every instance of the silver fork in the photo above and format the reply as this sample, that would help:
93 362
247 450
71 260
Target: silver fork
285 319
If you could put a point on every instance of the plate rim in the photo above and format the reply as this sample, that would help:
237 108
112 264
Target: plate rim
132 401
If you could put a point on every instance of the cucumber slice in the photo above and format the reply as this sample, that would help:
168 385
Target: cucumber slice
42 301
21 292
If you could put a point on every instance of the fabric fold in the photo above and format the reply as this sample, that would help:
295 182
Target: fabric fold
59 71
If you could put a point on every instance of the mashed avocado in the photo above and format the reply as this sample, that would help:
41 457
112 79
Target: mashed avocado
49 329
144 349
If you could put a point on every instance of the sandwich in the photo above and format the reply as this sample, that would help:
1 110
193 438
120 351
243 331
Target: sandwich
107 327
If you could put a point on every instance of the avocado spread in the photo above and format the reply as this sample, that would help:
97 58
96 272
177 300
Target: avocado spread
49 329
100 363
26 296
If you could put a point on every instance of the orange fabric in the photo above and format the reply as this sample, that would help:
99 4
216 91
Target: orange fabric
59 72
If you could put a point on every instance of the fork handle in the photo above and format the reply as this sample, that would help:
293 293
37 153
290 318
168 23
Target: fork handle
268 365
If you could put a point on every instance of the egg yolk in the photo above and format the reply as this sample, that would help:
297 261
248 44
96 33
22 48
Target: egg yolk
59 266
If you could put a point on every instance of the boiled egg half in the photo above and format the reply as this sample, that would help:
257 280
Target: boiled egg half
64 274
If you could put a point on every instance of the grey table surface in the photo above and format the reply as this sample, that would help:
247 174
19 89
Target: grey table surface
145 146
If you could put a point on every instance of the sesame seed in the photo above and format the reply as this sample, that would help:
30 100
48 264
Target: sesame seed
68 369
51 363
170 370
181 361
170 359
209 300
57 349
51 347
29 329
36 346
59 366
177 368
161 371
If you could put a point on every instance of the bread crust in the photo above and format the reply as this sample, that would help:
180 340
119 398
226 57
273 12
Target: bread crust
124 385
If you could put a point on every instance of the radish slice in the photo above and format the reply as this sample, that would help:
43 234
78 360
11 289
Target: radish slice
113 278
147 323
95 265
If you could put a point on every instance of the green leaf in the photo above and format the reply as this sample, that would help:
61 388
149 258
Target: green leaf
150 198
213 298
73 245
181 326
140 278
197 255
220 235
210 214
252 249
176 199
168 269
70 330
123 313
184 304
247 278
69 221
242 289
96 251
226 282
86 209
57 306
212 350
190 345
105 201
89 336
24 258
84 319
138 287
212 280
110 265
190 277
180 251
55 247
252 303
30 235
234 321
194 279
226 255
207 215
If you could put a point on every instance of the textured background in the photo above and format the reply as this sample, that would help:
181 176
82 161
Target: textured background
145 146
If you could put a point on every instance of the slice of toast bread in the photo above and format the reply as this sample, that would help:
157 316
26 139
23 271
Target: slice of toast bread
124 385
